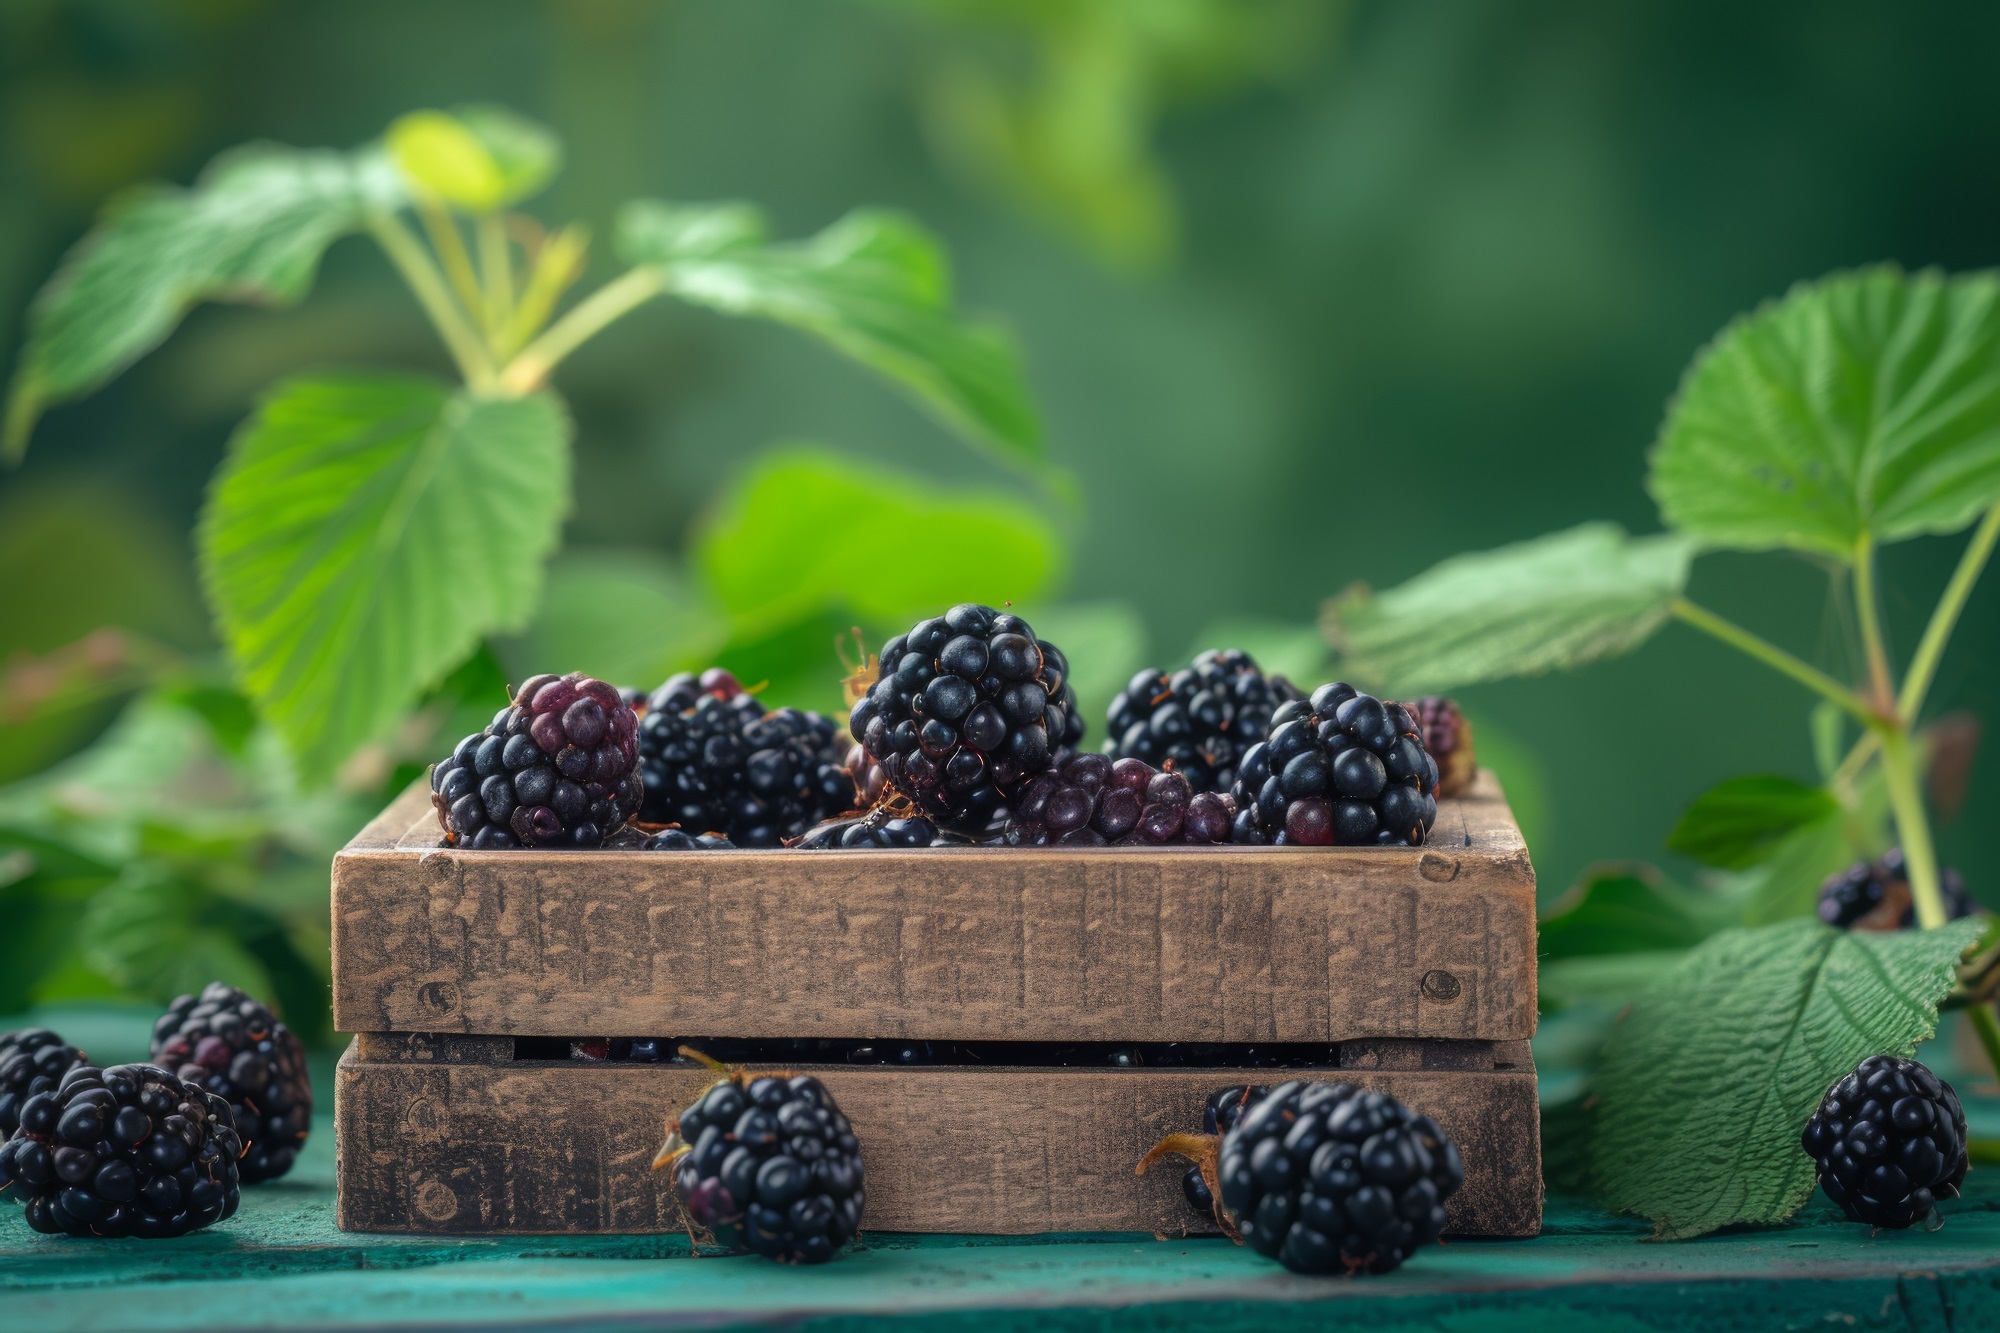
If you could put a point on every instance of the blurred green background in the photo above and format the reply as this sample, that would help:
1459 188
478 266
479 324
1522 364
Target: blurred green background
1310 294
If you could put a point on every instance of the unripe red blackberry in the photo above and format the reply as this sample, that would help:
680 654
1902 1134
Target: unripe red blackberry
32 1060
1448 737
1341 768
233 1046
558 767
1200 719
965 708
1091 800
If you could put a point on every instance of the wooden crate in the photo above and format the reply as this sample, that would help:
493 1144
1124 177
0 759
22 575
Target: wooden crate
1415 966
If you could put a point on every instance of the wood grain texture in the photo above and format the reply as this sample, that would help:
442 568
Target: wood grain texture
566 1147
1236 944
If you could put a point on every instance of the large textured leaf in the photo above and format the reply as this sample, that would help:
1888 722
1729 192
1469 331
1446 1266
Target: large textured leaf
1865 403
875 285
1555 602
1704 1087
364 533
252 229
1735 823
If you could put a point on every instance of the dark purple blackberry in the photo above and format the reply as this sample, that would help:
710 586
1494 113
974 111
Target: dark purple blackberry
769 1163
32 1060
1092 800
1448 737
1219 1114
673 840
715 761
1875 895
231 1045
1327 1177
1341 768
965 708
1200 719
125 1151
1888 1141
558 767
881 827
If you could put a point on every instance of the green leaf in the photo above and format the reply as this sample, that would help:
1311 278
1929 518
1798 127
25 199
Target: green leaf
480 158
630 617
1735 824
1622 909
1867 403
362 536
251 230
784 543
1704 1087
874 285
1549 604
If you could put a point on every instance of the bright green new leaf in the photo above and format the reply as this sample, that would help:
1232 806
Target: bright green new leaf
874 285
480 158
1734 824
1703 1088
793 537
1621 909
1556 602
1865 403
364 533
251 230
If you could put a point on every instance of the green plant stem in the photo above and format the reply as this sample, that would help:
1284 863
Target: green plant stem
1867 605
451 252
1775 657
496 268
1986 1026
1913 828
586 320
554 263
1856 760
428 285
1930 649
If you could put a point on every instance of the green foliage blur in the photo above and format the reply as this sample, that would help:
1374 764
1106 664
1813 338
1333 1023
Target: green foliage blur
1310 295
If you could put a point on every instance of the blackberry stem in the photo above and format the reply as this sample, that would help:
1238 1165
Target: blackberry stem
1906 801
451 252
496 266
1867 604
1986 1027
1774 657
407 253
586 320
1923 667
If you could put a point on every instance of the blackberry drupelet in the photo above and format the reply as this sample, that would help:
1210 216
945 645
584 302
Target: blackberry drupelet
673 840
227 1043
714 760
32 1060
1326 1177
1341 768
769 1163
1888 1141
125 1151
1219 1114
965 708
558 767
1092 800
881 827
1448 737
1200 719
1875 895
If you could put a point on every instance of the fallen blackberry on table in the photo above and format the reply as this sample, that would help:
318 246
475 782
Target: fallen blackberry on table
126 1151
673 840
1342 768
881 827
1875 895
1448 738
231 1045
32 1060
715 761
1888 1141
1092 800
964 710
1219 1114
557 767
1201 719
768 1163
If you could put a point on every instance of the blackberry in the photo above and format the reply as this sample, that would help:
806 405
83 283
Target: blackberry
673 840
713 759
557 767
233 1046
881 827
1448 737
1341 768
1219 1114
1875 895
768 1163
1200 719
1888 1141
32 1060
125 1151
965 708
1093 800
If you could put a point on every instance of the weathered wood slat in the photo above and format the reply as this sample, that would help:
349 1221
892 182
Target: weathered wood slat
1237 944
565 1147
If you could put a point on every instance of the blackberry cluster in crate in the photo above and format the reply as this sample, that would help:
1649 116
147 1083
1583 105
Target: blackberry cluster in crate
965 709
770 1164
674 840
1875 895
1219 1114
32 1060
1341 768
1092 800
1200 719
558 767
131 1150
1448 737
884 826
234 1047
1888 1141
1328 1178
715 761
